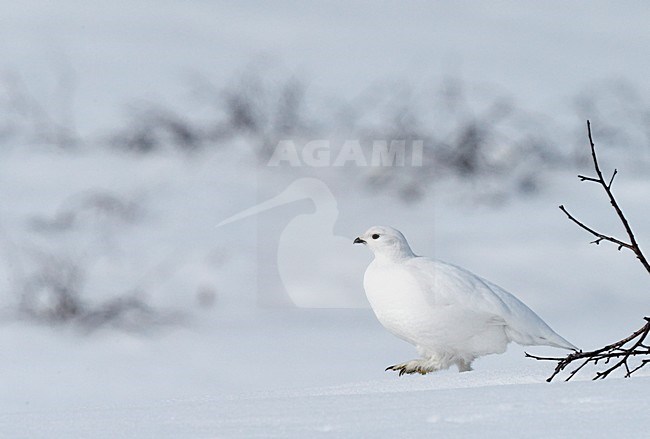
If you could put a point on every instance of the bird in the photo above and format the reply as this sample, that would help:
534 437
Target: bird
449 314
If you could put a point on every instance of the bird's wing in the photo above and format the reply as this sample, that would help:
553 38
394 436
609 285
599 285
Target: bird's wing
447 284
524 325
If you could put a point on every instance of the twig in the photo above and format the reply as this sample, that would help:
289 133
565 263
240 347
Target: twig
606 353
598 235
607 186
623 350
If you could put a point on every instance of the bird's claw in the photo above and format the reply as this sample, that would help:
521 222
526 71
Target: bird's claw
408 368
397 368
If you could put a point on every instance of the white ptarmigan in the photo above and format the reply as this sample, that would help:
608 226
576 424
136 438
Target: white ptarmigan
449 314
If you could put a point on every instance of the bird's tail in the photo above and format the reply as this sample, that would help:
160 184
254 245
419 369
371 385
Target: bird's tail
559 342
551 338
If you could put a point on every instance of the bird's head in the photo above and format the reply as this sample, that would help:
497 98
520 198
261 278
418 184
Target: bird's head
385 241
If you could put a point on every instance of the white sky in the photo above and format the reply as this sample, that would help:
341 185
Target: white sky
120 51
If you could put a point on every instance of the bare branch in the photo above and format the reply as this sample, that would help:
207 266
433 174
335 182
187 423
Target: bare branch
584 178
619 354
634 246
598 235
617 350
611 180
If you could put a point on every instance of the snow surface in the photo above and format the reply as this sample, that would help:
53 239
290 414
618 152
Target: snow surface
234 369
231 368
265 376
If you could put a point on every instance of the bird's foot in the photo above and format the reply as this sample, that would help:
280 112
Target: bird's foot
464 366
414 366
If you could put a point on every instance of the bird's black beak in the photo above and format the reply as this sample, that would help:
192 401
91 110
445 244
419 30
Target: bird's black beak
358 241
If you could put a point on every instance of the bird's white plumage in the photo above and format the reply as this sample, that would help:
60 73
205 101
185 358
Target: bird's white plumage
451 315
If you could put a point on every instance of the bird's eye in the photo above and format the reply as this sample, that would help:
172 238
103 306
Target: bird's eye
375 236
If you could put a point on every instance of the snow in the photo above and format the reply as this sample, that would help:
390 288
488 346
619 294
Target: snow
234 369
261 381
229 367
505 409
